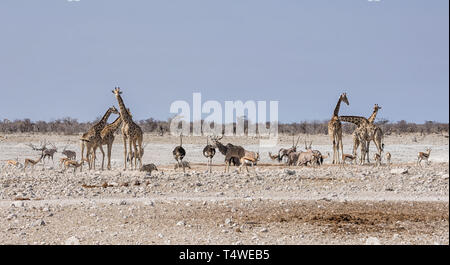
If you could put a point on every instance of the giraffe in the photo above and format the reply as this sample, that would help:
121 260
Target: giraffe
130 131
107 135
364 133
360 135
335 129
92 138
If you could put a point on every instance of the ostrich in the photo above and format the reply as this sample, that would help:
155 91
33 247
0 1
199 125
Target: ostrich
179 153
209 151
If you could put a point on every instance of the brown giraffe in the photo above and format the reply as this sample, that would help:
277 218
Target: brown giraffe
335 129
130 131
364 133
92 139
107 135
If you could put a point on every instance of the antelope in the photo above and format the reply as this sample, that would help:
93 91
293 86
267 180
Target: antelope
50 152
317 153
377 159
148 168
274 157
32 162
209 151
251 158
179 153
307 157
292 158
223 150
15 163
63 160
423 156
231 152
72 155
348 157
75 164
184 164
284 152
388 158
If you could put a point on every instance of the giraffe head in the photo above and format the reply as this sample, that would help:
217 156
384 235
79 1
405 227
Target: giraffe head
344 98
114 110
376 107
117 91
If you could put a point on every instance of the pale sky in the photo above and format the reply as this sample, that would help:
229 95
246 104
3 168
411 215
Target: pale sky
61 58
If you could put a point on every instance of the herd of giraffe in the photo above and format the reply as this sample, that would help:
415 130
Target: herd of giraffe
102 133
365 132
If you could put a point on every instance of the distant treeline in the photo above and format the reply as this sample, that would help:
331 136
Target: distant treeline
71 126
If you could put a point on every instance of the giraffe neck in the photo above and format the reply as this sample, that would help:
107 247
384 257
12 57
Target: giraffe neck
372 117
123 110
354 119
336 109
104 119
115 124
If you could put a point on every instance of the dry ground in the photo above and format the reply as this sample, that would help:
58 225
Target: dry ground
270 205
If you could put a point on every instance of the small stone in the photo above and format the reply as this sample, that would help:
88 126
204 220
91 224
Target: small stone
264 230
11 216
227 221
399 171
123 202
39 223
289 172
72 241
445 176
372 241
181 223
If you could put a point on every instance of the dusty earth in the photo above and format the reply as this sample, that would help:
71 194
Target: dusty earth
397 204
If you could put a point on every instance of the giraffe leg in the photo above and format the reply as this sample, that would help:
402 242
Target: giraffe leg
125 152
109 155
137 154
130 143
367 151
82 150
140 151
334 152
103 154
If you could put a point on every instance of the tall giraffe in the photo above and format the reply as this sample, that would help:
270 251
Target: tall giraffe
108 137
130 131
361 135
92 138
364 133
335 129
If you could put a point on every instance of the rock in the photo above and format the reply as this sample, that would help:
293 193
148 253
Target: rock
399 171
181 223
38 223
227 221
11 216
372 241
289 172
123 203
73 240
264 230
150 203
445 176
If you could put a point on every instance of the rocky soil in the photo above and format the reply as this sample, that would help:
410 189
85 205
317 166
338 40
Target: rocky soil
272 204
